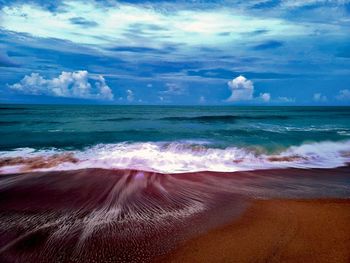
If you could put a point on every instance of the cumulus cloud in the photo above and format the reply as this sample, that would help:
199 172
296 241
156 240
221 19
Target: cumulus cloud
318 97
343 94
129 95
78 84
241 88
265 97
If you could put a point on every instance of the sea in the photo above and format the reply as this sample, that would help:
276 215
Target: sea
172 139
133 183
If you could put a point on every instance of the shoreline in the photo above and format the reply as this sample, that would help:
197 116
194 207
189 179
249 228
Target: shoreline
276 231
127 215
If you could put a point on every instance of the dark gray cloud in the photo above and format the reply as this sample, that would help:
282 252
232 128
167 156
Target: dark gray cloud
226 74
81 21
271 44
6 61
186 42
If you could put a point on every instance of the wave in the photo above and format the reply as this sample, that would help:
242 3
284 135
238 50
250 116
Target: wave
12 108
176 157
28 122
225 118
120 119
10 123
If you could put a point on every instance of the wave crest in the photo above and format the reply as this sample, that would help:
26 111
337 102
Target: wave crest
225 118
176 157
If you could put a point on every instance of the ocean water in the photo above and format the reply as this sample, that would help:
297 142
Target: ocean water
168 174
172 139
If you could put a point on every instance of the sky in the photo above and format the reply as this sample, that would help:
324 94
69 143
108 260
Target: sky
220 52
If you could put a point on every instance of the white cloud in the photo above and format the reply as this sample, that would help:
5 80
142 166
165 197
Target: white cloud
301 3
110 24
265 97
202 99
318 97
241 88
286 99
129 95
76 84
173 89
343 94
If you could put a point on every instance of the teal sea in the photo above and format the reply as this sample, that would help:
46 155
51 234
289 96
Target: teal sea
235 138
132 183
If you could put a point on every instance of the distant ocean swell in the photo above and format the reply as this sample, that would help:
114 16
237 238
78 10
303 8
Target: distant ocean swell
176 157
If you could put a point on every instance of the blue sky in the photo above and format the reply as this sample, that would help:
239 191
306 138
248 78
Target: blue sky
259 52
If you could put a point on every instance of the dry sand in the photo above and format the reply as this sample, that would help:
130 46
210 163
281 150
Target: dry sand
276 231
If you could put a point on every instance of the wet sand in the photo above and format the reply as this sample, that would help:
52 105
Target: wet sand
97 215
276 231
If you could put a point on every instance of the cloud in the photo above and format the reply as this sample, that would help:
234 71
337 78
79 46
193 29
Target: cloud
286 99
319 3
78 84
173 89
129 95
110 24
241 88
272 44
343 95
202 99
265 97
5 61
226 73
318 97
136 49
81 21
266 4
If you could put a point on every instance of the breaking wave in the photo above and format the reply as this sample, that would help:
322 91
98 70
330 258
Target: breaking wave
176 157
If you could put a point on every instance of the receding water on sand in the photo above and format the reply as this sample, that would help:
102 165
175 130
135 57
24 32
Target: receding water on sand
125 215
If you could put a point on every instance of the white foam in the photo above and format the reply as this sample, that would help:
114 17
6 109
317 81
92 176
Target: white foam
186 157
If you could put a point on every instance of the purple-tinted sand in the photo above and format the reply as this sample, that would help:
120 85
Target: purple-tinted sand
97 215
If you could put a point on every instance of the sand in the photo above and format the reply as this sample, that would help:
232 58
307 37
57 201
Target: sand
276 231
96 215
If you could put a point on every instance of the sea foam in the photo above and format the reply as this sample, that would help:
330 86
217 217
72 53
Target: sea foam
176 157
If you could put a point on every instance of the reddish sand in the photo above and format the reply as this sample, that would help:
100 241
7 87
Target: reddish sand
276 231
31 163
96 215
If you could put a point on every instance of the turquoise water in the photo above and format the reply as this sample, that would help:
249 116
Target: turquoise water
173 139
75 127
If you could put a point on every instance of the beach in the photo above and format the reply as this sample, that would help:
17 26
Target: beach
105 183
202 131
276 231
90 215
